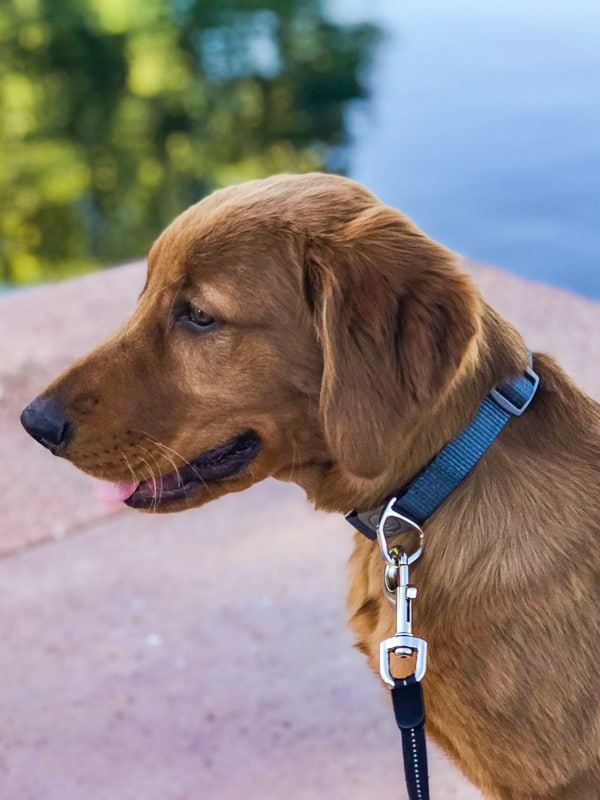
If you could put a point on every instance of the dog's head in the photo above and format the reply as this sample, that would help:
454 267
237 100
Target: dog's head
288 327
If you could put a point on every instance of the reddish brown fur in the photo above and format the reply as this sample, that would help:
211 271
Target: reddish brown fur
356 348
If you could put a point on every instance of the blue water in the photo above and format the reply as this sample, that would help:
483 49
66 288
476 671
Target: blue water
484 127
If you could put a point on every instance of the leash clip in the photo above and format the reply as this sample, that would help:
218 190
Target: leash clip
400 593
402 643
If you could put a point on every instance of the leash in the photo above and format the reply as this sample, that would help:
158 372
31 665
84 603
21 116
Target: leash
405 513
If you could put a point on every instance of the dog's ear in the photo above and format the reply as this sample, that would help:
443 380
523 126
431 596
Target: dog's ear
395 317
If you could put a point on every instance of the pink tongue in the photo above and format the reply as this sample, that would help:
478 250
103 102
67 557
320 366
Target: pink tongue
114 492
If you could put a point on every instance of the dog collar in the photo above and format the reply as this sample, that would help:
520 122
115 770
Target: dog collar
418 499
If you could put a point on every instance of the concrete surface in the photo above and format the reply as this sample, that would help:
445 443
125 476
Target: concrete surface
197 656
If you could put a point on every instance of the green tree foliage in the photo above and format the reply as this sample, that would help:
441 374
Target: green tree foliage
117 114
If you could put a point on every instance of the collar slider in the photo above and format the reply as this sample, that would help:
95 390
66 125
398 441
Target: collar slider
515 396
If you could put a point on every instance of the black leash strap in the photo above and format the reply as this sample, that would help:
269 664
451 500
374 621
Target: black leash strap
409 709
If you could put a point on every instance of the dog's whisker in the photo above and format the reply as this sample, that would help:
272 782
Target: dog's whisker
169 450
129 467
152 479
158 497
185 461
173 463
170 459
192 467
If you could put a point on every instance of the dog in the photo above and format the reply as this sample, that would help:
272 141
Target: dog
299 328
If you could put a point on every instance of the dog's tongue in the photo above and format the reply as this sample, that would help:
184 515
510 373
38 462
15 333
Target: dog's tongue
114 492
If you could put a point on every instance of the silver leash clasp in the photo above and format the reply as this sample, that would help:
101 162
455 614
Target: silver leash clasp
400 594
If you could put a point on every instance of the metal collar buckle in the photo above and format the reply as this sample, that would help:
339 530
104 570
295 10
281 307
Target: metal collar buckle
400 593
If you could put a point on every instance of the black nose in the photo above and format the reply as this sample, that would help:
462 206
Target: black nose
44 419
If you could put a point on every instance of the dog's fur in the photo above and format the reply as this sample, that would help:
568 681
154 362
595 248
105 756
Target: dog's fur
356 348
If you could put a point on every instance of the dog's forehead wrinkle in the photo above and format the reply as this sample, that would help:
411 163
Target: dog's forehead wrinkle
243 273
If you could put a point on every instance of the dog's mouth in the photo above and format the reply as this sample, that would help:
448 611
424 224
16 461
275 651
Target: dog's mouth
214 465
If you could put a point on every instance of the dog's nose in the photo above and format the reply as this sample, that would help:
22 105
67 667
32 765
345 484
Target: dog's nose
44 419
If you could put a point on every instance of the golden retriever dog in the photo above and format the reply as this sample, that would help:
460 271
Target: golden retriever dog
297 327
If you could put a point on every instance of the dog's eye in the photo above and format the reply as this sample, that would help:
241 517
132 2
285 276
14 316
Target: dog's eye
197 318
201 318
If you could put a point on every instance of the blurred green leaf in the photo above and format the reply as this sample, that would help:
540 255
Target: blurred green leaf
117 114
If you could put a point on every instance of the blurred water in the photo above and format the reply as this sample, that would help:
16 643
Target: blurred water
484 127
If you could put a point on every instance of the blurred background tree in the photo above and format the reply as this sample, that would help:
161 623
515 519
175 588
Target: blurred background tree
117 114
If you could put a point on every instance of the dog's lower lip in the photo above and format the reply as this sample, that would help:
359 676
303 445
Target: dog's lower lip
213 465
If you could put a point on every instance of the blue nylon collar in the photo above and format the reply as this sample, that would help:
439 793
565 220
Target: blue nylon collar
419 499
